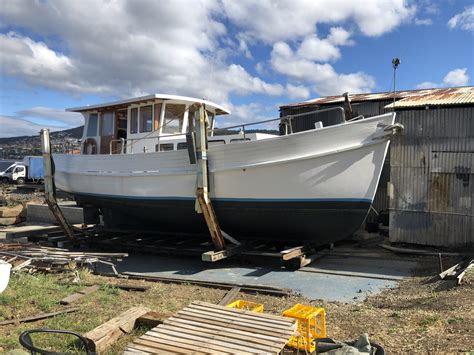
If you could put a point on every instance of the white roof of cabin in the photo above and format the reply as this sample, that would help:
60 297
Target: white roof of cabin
219 109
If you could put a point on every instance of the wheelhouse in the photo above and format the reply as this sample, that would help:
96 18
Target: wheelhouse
145 124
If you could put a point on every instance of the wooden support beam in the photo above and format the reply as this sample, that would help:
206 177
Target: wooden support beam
213 256
39 316
292 253
78 295
106 334
229 296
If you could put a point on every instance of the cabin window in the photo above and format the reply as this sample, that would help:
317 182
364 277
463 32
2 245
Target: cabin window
92 125
19 169
210 117
164 147
182 146
134 120
215 142
107 124
146 118
174 117
156 122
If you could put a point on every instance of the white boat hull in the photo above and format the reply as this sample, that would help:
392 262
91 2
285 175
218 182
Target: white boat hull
314 186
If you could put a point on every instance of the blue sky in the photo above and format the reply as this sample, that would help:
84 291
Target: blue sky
250 56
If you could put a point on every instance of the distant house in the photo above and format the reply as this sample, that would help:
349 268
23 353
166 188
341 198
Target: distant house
428 181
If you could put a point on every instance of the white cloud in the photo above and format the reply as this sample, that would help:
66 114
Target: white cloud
313 48
426 85
423 22
340 37
297 91
323 77
13 127
463 20
457 77
283 20
251 113
69 119
136 47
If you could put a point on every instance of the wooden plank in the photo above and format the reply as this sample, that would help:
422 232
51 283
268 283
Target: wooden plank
185 343
292 253
157 343
196 340
206 342
229 296
26 231
107 333
39 316
261 289
78 295
235 310
230 335
250 321
248 315
131 349
152 347
230 325
225 321
214 328
152 319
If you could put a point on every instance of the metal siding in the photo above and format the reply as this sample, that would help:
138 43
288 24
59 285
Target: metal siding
433 207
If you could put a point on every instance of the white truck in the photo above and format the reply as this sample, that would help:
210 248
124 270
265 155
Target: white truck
30 170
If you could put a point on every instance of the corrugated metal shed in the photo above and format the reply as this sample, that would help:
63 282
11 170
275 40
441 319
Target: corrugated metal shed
432 167
448 95
440 97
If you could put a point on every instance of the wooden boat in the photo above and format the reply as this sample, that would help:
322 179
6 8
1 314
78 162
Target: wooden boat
314 186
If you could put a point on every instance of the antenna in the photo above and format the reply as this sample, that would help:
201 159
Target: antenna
395 63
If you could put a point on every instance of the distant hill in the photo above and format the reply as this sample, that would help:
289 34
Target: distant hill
72 133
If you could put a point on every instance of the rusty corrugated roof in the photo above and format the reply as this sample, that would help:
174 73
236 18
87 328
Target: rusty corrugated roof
457 94
438 97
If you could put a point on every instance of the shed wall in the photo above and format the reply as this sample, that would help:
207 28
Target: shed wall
432 167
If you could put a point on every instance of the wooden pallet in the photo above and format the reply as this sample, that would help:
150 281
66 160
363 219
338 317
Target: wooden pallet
205 328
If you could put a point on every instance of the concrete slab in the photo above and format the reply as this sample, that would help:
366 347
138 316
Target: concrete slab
313 285
40 213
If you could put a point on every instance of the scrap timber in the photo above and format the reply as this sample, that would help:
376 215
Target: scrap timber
207 328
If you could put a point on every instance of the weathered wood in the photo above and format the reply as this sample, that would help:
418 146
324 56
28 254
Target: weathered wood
106 334
229 296
292 253
78 295
152 319
39 316
217 329
261 289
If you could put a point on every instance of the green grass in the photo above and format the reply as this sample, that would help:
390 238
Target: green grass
28 295
428 321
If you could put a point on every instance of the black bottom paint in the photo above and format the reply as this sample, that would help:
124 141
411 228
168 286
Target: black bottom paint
315 222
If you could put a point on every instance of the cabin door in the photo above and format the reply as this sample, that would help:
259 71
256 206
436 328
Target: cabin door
107 130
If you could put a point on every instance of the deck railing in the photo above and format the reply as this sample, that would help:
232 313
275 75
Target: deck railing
286 123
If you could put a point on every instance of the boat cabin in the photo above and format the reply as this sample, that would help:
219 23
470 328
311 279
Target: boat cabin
152 123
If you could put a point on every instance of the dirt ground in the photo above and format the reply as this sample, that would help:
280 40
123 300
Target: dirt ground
421 315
